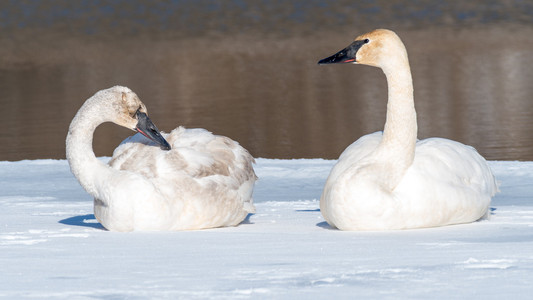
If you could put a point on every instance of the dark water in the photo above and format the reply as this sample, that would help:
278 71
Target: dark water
247 69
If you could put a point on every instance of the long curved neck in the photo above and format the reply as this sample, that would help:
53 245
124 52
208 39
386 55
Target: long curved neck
89 171
397 147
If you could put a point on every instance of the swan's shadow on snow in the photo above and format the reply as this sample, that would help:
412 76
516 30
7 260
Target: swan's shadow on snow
246 220
91 222
325 225
83 221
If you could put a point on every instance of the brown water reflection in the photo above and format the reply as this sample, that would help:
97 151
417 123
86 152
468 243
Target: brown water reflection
268 93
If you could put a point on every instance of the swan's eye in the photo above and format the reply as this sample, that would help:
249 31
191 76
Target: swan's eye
366 41
134 115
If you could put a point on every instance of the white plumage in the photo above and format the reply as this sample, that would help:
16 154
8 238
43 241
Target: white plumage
390 180
204 181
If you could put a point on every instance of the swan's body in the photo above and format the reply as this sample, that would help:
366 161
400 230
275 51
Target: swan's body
390 180
204 181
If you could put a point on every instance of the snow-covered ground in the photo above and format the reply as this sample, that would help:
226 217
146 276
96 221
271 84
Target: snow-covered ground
51 246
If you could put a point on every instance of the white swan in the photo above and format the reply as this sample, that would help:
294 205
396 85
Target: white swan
390 180
205 181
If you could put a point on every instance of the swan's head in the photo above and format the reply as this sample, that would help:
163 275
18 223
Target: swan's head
377 48
130 112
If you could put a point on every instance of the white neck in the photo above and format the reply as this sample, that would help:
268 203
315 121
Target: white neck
397 148
89 171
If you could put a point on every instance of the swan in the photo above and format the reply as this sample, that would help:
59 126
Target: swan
389 180
193 180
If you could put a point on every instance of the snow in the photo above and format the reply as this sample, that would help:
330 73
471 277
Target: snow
52 247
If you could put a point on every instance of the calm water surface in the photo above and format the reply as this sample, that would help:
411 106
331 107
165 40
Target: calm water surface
264 89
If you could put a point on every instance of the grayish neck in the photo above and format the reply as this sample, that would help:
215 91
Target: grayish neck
89 171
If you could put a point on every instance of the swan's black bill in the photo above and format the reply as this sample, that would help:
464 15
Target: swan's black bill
346 55
149 130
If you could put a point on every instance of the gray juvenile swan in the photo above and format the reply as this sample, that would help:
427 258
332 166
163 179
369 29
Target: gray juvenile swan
390 180
196 180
